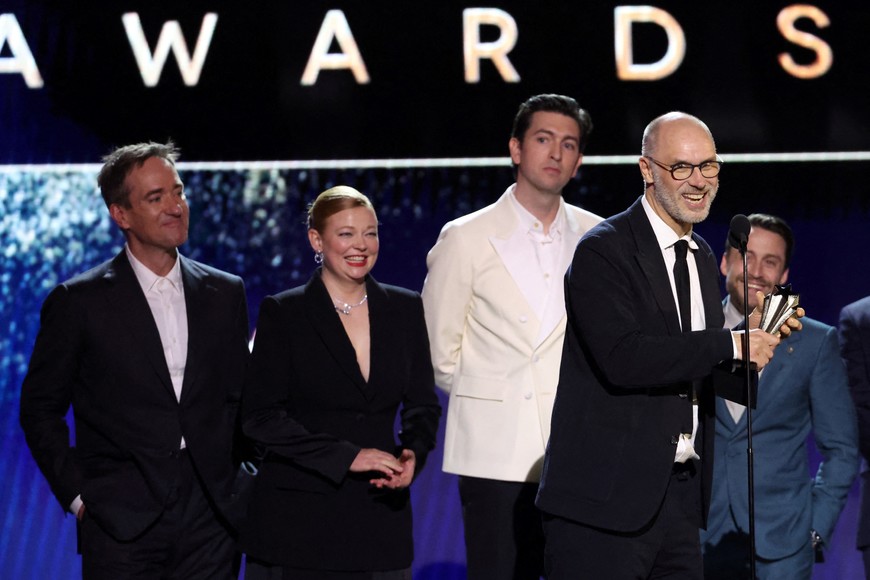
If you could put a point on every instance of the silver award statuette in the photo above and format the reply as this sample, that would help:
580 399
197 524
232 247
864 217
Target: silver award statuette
779 306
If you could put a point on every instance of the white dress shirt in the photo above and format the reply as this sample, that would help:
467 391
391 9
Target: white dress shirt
666 238
546 266
165 295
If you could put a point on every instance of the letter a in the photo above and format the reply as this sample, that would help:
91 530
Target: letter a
21 61
335 26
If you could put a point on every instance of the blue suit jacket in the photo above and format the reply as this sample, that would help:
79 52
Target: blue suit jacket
804 387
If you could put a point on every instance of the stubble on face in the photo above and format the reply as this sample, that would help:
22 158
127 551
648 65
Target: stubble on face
766 267
671 199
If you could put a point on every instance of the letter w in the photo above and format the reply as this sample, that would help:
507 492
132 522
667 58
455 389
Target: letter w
151 66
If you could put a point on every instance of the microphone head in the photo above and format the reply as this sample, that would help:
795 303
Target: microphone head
738 234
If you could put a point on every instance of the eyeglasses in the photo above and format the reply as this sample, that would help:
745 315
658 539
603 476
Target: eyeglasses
683 171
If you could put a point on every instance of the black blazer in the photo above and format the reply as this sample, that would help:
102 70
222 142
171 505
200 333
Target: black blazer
99 349
626 369
855 349
307 402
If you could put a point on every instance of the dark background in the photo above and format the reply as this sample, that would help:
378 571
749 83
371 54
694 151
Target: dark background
249 103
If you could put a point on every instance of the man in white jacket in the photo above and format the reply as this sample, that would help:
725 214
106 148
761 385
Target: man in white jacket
495 310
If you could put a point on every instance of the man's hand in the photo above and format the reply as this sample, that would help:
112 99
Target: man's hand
761 346
793 324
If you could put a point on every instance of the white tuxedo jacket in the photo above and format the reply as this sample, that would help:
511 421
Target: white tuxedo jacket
496 358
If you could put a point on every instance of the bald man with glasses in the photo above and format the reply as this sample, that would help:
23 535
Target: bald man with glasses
627 474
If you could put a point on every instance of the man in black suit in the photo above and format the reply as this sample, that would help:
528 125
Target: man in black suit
627 472
855 348
149 348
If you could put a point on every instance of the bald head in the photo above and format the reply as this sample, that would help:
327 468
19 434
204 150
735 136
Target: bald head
680 169
671 126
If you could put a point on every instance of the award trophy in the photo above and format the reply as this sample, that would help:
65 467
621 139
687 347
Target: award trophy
779 306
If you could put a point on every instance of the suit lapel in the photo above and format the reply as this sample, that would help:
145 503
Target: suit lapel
381 334
723 415
554 310
514 250
324 319
649 258
197 302
125 298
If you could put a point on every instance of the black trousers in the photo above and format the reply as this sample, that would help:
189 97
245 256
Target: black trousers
259 570
668 547
188 542
504 539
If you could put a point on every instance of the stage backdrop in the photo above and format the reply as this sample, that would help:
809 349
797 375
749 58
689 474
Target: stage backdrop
411 104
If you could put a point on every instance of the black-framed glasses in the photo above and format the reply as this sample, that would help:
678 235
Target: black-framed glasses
683 171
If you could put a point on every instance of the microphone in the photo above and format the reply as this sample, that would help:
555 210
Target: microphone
738 234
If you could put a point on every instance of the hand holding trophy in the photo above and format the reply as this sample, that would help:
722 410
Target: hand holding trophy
781 311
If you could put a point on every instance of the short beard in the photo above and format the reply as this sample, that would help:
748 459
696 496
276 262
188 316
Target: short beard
672 206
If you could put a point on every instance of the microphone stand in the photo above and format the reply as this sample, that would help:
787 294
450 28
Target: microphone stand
749 402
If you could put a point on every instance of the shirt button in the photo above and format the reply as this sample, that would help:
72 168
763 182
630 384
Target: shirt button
536 358
523 318
528 396
546 276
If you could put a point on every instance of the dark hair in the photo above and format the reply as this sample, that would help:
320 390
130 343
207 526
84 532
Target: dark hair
552 104
332 201
118 164
776 225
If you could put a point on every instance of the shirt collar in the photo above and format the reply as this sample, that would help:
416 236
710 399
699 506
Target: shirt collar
665 236
147 278
529 223
733 317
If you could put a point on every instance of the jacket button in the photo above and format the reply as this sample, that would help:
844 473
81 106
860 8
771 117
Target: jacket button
674 439
683 395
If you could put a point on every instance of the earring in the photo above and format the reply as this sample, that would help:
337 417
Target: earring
318 257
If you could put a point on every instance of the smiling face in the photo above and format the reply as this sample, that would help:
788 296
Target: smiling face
549 154
349 242
155 218
765 266
680 203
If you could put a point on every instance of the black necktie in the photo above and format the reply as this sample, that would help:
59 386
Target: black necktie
681 280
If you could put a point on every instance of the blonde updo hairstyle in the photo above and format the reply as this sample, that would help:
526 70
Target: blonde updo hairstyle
332 201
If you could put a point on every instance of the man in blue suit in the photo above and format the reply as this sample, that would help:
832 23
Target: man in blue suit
803 388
